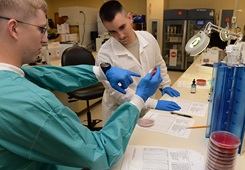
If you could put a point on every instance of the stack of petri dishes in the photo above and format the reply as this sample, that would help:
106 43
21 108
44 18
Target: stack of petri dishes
222 151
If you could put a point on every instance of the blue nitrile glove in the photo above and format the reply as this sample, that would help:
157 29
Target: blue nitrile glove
120 78
167 105
149 84
170 91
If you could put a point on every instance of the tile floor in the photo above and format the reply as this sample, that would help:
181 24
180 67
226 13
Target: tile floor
96 111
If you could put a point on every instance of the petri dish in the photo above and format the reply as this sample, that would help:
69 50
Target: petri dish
222 150
201 82
224 141
144 122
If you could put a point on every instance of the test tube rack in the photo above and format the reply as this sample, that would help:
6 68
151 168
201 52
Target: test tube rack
226 109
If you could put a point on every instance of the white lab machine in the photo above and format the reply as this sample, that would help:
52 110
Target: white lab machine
53 51
84 18
102 33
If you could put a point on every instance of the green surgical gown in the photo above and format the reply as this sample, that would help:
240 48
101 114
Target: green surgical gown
37 132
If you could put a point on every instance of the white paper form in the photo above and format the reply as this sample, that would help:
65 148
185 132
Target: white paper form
159 158
169 124
190 108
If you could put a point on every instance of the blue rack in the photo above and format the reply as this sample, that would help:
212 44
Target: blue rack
227 101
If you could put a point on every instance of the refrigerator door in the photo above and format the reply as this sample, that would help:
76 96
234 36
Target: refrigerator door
197 20
174 40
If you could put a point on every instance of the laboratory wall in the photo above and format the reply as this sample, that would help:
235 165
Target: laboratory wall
154 12
214 4
166 4
135 6
218 5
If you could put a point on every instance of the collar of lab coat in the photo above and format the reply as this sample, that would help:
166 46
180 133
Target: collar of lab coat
119 49
4 66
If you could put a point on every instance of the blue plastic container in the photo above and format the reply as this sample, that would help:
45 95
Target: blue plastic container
227 101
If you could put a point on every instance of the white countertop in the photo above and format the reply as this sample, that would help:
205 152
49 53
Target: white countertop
197 140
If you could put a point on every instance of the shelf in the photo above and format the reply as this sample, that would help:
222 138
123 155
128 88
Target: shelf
174 34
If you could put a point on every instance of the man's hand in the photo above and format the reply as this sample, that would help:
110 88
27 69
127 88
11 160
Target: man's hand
167 105
149 84
170 91
120 78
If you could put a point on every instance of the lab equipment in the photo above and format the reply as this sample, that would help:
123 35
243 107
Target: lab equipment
144 122
53 51
139 22
102 34
193 86
222 151
197 19
233 55
211 55
153 71
81 20
174 39
200 41
201 82
226 109
146 91
225 17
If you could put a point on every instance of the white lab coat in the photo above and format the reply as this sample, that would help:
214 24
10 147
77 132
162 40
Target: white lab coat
117 55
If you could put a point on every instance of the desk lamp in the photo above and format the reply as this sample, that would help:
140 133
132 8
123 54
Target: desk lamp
200 41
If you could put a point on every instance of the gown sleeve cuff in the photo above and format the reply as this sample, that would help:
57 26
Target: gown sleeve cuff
138 102
99 73
164 86
151 103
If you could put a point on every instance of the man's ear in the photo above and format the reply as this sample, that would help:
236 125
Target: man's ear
13 28
130 17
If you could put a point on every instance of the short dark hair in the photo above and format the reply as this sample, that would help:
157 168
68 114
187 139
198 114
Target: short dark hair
109 10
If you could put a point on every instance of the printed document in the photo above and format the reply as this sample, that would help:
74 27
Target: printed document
190 107
169 124
159 158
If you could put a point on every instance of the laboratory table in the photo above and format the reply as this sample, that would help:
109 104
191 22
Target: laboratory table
196 140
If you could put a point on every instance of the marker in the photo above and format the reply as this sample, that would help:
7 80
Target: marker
179 114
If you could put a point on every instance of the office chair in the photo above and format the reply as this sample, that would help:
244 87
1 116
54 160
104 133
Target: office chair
79 55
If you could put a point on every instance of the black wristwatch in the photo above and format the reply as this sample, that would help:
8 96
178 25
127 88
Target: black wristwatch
105 66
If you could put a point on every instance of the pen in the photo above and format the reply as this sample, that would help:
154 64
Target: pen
196 127
181 114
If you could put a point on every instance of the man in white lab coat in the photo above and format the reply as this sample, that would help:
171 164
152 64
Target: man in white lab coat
137 51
